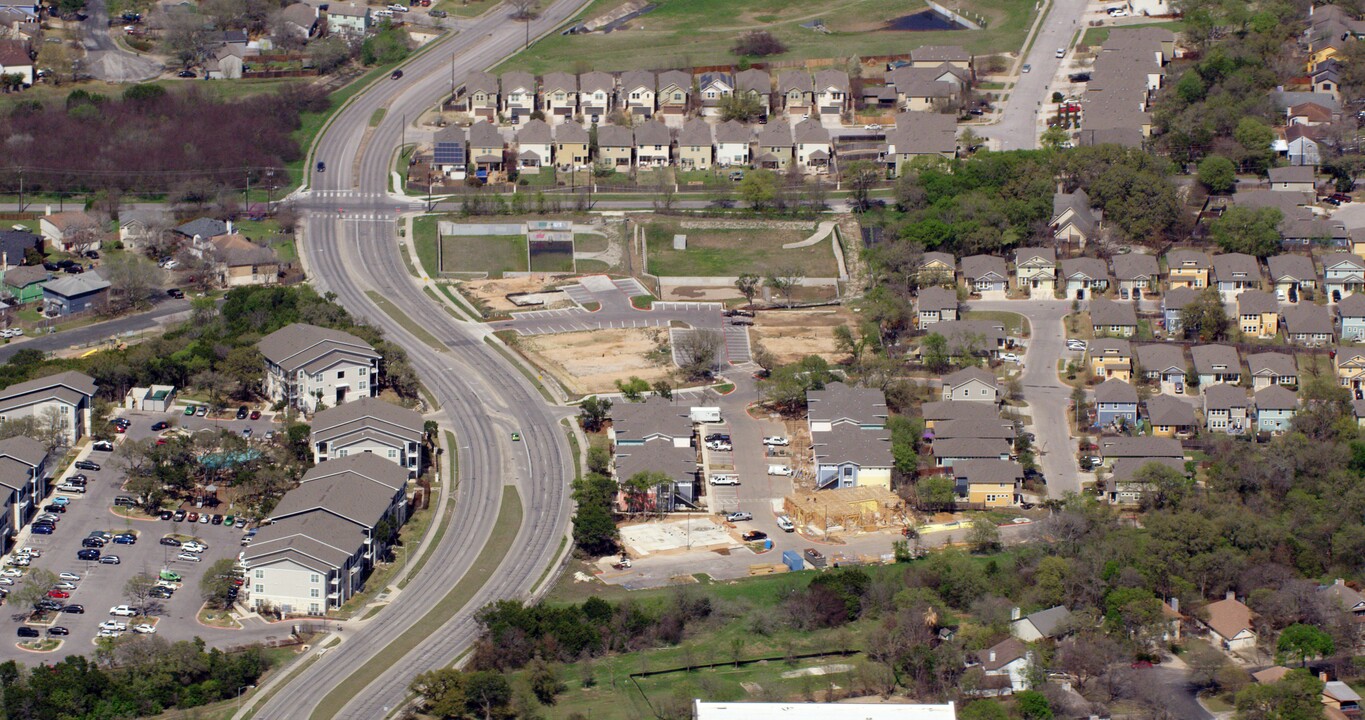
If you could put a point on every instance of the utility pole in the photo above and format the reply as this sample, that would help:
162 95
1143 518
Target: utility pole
21 189
403 136
247 204
452 78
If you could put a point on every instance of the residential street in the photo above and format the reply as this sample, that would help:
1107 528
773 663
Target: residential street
165 311
104 60
1018 126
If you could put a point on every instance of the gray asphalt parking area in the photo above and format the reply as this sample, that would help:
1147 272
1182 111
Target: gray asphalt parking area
142 422
102 586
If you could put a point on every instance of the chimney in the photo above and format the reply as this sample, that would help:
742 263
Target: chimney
229 227
1232 595
4 260
1323 676
1014 613
1339 582
992 656
47 210
1175 604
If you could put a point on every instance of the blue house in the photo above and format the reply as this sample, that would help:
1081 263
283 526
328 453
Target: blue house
1173 303
75 294
1275 409
1352 310
1116 403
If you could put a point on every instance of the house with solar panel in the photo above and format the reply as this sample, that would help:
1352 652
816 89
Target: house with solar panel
449 155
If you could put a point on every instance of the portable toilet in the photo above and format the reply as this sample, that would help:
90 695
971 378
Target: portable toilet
793 560
767 545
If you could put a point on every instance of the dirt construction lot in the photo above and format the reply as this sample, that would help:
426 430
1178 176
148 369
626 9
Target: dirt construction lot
793 334
592 362
495 292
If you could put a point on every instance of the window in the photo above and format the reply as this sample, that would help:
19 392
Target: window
260 574
341 374
313 578
363 385
393 453
313 592
341 453
260 588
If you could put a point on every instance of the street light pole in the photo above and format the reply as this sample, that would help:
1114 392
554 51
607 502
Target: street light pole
239 694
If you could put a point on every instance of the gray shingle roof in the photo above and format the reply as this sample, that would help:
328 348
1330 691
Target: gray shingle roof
535 132
809 131
70 386
947 410
1188 259
732 131
852 444
554 81
1124 468
988 471
479 80
695 133
971 448
1100 347
978 266
940 53
837 79
982 427
1108 313
571 132
1134 266
966 375
1161 358
1084 268
367 417
789 80
1114 390
862 406
76 285
775 134
936 299
1038 254
1272 363
203 227
347 488
1215 358
1308 320
652 133
297 345
615 136
1276 397
753 80
1291 267
1257 302
1228 266
1051 621
1352 306
653 417
1145 446
484 134
25 275
591 82
637 80
1225 397
680 464
518 80
1166 410
675 77
923 133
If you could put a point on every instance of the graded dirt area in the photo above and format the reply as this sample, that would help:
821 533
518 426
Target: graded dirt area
793 334
495 292
592 361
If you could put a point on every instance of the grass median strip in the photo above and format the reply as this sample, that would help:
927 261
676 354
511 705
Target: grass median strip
402 319
499 542
448 487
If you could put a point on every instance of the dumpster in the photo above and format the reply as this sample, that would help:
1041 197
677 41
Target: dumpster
792 559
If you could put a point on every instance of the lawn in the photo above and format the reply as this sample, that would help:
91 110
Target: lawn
492 254
465 8
1099 35
1015 324
424 237
728 253
683 33
555 261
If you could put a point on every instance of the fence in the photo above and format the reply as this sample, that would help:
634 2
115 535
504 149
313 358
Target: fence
263 74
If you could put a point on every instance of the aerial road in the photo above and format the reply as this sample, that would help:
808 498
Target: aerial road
484 397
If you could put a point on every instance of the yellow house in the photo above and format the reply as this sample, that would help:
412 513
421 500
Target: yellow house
1318 54
1187 269
938 268
1111 358
988 483
1170 417
1258 314
1350 366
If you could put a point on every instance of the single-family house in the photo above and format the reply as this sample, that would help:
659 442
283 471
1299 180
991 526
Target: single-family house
675 89
1035 270
797 91
71 294
1073 220
1137 274
1114 448
71 231
637 93
369 425
1258 314
596 95
653 144
775 147
24 479
757 85
480 95
732 143
985 273
1272 369
1275 409
937 268
1294 178
1165 364
1343 275
1123 488
1291 275
833 94
971 384
449 154
1187 269
301 18
926 89
988 483
1234 273
486 147
64 398
1111 359
1116 404
1170 417
1008 661
950 451
840 404
518 95
1084 277
1347 599
1050 623
983 338
941 412
1114 319
919 135
655 419
981 427
310 367
138 228
615 146
1309 325
1227 409
934 304
714 88
559 96
236 261
1352 317
348 18
1307 114
203 228
16 246
1229 623
1216 364
1173 307
695 146
24 283
813 148
16 59
1349 363
935 55
1339 700
849 456
535 146
572 147
656 436
1302 146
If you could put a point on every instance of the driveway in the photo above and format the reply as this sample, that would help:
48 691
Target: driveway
105 60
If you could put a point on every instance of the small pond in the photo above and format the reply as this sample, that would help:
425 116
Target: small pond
921 21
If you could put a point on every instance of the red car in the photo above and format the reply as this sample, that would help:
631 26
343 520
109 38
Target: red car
194 517
58 594
120 429
161 441
255 414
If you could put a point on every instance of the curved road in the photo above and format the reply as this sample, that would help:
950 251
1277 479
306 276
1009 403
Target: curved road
483 398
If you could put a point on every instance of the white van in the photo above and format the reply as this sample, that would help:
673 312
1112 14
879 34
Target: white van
782 470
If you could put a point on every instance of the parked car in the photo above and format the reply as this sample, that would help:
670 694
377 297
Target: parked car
1009 357
161 425
724 480
781 470
114 624
738 516
102 446
170 541
73 577
74 609
123 611
58 594
28 632
110 560
192 517
754 535
1118 12
91 555
58 631
144 629
194 547
1027 68
178 516
243 412
202 411
125 539
176 293
776 440
437 13
86 465
786 523
191 557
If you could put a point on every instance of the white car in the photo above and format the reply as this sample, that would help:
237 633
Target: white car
65 585
1061 52
193 547
786 523
782 470
720 446
724 480
123 611
776 440
1118 12
69 576
191 557
1009 357
144 629
171 264
1075 345
872 126
113 625
11 572
6 581
31 552
106 632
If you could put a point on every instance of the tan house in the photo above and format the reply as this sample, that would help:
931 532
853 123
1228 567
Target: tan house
615 147
1111 358
695 148
920 135
237 261
1035 270
69 231
1258 313
756 84
714 88
559 95
518 95
675 88
637 93
798 93
481 95
1229 622
1188 269
833 94
1113 319
775 147
813 148
571 146
596 95
1073 221
935 55
1170 417
1350 366
653 144
486 146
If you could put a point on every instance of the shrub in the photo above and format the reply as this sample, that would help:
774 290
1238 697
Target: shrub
758 43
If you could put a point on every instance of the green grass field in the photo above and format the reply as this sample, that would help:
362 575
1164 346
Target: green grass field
731 252
493 254
465 8
552 262
424 237
1015 324
682 33
1099 35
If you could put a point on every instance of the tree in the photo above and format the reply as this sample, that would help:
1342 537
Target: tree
1033 705
1297 696
594 529
983 710
186 39
935 492
862 176
329 53
1054 137
747 283
1086 656
934 352
741 107
758 188
34 588
132 279
758 43
545 682
633 389
1301 643
784 281
593 411
663 389
217 583
1254 231
698 352
638 486
139 587
524 10
1255 137
1204 317
388 45
905 434
1163 486
1218 174
984 536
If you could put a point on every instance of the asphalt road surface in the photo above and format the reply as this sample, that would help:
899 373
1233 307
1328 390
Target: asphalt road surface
1018 126
164 310
105 60
349 243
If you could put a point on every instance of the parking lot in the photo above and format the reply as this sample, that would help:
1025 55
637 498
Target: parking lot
142 422
101 586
